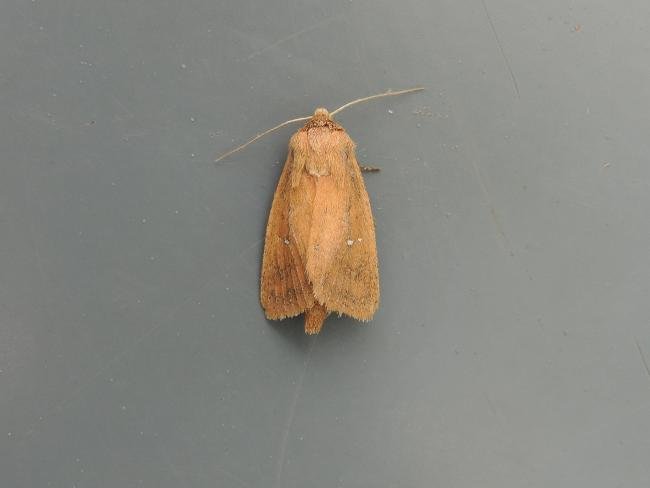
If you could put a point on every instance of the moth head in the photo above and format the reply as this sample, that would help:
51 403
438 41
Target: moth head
321 113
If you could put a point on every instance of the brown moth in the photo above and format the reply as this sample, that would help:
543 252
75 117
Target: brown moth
320 255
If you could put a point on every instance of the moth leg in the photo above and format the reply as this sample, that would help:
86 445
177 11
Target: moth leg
369 169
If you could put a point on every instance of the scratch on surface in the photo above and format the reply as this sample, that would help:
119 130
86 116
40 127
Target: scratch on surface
268 47
494 411
241 255
643 359
495 217
491 405
122 106
503 53
493 212
129 135
292 412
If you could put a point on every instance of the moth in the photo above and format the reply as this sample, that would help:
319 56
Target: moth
320 254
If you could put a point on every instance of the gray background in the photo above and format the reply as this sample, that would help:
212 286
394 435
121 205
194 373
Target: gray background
512 222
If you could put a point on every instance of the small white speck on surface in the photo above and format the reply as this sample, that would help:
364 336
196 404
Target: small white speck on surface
390 111
9 434
192 119
192 155
183 66
350 242
286 241
359 239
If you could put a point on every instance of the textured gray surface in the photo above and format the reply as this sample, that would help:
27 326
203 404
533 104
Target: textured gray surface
512 219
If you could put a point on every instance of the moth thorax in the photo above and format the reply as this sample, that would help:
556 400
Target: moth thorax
321 112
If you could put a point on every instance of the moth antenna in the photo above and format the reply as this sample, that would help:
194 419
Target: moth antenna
239 148
389 93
